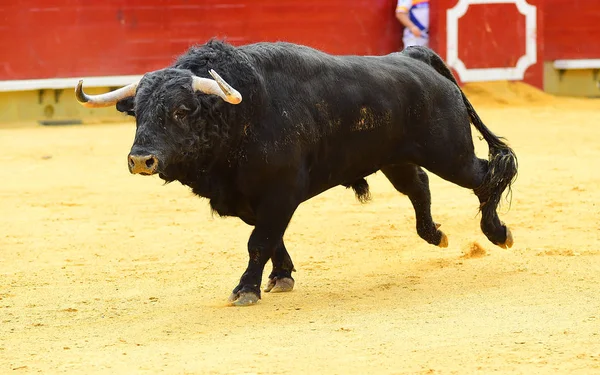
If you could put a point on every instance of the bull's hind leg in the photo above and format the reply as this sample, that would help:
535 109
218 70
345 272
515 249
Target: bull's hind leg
412 181
474 174
280 279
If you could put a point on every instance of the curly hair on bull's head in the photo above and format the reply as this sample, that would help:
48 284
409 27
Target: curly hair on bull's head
230 62
177 124
178 121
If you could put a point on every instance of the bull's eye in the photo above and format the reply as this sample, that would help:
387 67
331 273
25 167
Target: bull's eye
180 113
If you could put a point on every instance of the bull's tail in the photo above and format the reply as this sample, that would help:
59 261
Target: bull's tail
503 164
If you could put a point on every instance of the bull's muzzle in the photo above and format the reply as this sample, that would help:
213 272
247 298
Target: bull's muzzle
142 164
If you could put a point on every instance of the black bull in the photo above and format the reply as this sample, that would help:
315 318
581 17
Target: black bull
307 122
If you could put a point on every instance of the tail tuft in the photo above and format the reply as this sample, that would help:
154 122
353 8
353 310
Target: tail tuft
502 173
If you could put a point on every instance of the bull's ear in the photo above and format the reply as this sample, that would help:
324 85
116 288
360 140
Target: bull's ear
126 106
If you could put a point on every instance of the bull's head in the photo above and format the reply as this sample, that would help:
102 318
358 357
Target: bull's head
167 112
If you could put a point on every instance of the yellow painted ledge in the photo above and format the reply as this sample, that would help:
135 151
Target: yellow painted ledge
571 82
53 107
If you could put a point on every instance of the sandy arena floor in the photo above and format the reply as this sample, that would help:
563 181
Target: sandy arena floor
105 272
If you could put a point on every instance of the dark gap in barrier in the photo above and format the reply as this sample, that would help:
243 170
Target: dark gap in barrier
60 122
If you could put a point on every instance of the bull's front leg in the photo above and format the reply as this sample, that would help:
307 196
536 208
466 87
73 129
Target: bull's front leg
280 279
272 218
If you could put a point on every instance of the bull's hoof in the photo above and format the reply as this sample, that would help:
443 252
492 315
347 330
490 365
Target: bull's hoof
443 240
278 285
243 299
509 240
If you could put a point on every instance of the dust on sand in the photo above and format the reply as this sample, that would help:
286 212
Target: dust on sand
474 250
104 272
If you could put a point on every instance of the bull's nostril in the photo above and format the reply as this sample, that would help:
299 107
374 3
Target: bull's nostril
142 164
150 162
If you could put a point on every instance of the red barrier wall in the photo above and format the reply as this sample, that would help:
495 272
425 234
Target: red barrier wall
572 29
73 38
489 41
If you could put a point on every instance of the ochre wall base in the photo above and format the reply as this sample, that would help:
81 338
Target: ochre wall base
571 82
54 107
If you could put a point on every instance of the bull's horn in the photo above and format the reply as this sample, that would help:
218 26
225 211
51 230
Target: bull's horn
218 86
103 100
